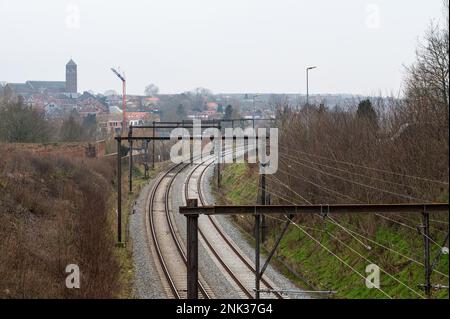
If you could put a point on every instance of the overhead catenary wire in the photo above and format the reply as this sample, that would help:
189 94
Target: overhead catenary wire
395 221
335 222
357 183
350 172
340 226
366 238
353 250
334 255
392 220
364 185
410 227
350 232
372 168
371 262
396 252
319 186
304 199
357 253
418 222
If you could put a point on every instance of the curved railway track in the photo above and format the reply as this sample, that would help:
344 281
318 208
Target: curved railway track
241 278
169 250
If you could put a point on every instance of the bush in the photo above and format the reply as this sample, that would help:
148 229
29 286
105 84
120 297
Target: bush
21 124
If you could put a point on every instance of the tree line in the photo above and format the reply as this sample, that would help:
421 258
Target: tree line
20 123
368 152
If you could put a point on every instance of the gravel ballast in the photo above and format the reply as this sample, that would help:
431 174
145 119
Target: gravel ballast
235 234
147 284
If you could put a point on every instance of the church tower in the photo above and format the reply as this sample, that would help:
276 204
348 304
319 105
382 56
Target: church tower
71 77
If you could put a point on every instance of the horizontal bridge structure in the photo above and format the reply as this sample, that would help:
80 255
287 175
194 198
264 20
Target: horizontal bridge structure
195 137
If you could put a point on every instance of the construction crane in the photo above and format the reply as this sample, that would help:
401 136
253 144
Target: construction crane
124 97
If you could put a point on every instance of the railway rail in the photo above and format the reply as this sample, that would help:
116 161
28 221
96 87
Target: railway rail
169 248
229 256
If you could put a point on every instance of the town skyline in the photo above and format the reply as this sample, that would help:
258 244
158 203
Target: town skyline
197 44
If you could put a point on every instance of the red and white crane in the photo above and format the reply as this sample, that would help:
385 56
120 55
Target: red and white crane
124 97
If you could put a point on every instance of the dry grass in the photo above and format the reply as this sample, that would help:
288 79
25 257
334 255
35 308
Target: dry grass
54 212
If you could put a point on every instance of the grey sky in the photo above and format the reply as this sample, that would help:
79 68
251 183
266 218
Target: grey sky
226 46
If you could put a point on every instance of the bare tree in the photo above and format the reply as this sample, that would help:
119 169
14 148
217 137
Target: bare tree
427 83
110 92
19 123
201 91
151 90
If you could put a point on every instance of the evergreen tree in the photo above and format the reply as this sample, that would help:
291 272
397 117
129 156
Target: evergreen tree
71 130
181 112
367 112
228 112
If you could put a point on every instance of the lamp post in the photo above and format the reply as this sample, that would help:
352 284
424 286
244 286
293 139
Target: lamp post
124 97
254 109
307 83
307 95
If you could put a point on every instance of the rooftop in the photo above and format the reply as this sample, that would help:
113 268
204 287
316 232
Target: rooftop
71 63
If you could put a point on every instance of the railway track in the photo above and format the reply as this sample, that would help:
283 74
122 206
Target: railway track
169 248
234 263
166 243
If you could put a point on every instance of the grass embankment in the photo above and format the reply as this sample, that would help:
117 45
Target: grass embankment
320 269
56 211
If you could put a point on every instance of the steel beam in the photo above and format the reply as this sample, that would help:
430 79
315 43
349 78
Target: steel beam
274 248
130 158
313 209
153 147
197 137
174 126
192 252
119 192
426 242
257 255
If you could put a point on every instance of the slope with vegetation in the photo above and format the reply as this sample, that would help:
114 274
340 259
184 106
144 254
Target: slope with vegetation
380 151
56 211
343 246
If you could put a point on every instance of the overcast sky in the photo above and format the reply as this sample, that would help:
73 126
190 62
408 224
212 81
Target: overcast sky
228 46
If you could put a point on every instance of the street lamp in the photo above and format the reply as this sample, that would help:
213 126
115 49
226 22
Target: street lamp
254 104
124 97
307 95
254 109
307 83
